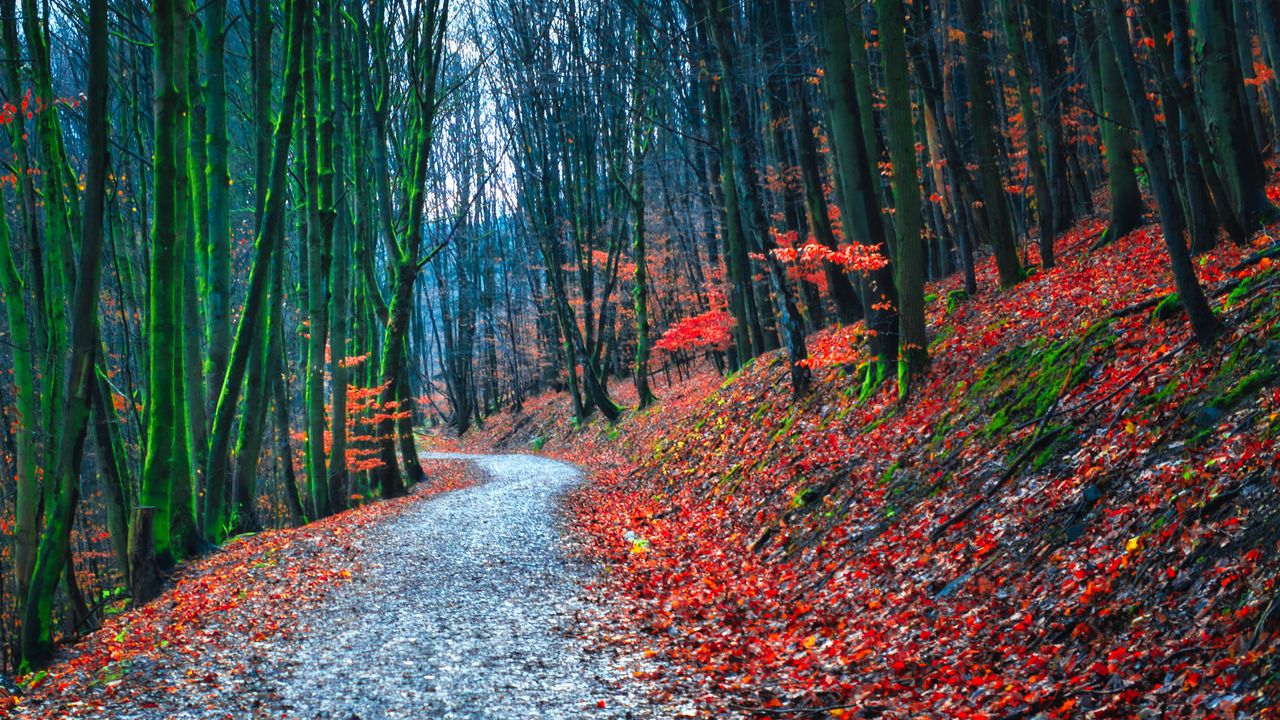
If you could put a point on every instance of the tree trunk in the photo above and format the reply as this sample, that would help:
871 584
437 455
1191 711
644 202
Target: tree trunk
255 300
340 287
164 418
218 182
859 201
849 306
24 409
1203 322
280 403
405 260
1237 159
1014 33
144 575
1115 123
982 117
751 203
52 554
319 236
639 149
908 268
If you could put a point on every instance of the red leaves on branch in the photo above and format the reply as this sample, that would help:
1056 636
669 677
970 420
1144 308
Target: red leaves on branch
837 346
1262 75
707 331
851 257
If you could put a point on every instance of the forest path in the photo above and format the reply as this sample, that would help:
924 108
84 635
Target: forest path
466 609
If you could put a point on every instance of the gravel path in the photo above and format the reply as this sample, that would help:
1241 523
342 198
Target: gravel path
466 610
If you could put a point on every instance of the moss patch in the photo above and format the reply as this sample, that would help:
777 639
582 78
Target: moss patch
1024 382
1168 308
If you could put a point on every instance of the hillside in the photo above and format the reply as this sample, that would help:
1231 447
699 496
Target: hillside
1076 514
639 360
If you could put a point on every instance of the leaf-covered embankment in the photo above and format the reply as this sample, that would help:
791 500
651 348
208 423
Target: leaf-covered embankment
1077 511
199 649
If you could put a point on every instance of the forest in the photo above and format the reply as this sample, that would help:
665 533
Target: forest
905 346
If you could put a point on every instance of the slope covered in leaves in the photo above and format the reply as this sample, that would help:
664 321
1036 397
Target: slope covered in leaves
198 650
1077 512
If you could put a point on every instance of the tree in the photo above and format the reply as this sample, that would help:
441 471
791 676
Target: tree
426 64
165 414
317 82
1203 322
218 182
641 137
908 268
1014 33
794 95
255 299
747 184
1222 91
859 204
995 203
80 373
1115 122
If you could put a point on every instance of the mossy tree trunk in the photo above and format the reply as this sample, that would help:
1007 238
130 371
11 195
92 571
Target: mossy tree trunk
185 356
1115 123
57 270
24 412
165 420
858 195
218 182
641 136
317 131
795 96
1195 175
340 272
908 268
747 181
426 69
268 235
52 554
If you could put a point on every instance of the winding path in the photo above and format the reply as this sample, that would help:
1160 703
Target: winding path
466 610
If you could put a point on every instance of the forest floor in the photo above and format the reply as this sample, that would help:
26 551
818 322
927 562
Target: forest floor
1075 514
454 605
